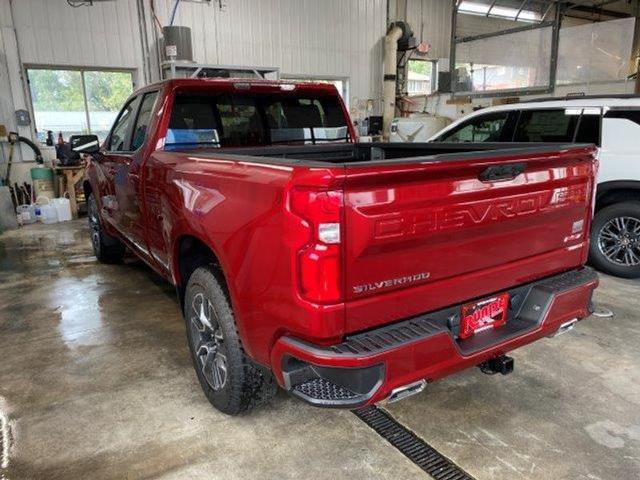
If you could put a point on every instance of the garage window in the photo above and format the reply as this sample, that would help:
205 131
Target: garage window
78 101
421 76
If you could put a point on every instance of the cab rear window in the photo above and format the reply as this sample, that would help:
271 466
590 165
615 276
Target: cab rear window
245 120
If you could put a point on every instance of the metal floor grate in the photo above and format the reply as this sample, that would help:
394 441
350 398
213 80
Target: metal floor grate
4 442
410 445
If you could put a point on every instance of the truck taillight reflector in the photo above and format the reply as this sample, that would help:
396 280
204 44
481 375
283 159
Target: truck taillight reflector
320 256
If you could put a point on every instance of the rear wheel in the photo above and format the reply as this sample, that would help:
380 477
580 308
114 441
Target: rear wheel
615 240
107 249
230 380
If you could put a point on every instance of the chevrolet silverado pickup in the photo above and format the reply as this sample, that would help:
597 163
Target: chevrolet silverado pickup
347 273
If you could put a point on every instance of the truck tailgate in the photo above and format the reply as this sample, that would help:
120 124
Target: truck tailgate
421 236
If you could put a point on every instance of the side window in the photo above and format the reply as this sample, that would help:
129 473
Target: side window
631 115
547 125
142 122
589 129
484 128
118 137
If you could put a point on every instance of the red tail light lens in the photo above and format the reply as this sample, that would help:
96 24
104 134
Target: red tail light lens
320 258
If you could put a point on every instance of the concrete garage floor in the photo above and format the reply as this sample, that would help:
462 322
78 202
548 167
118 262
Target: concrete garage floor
96 382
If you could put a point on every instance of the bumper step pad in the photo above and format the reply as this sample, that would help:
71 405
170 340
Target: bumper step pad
324 390
410 445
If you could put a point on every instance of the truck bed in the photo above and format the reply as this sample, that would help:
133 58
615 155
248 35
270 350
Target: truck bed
426 226
379 153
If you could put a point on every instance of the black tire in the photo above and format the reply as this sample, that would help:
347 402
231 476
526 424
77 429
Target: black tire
610 243
106 248
214 341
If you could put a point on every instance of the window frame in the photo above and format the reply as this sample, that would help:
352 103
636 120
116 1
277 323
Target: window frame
600 116
76 68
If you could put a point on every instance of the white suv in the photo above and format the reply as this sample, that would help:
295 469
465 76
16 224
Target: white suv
613 124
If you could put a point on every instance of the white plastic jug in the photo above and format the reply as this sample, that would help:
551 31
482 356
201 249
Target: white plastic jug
63 208
27 214
46 212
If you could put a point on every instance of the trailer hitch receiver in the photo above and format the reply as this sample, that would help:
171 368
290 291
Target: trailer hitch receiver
502 365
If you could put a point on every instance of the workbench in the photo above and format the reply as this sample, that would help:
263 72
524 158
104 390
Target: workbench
71 175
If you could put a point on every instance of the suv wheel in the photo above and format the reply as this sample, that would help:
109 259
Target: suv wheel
106 248
615 240
230 380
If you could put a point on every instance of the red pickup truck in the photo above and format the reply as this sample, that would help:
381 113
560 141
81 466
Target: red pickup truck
348 273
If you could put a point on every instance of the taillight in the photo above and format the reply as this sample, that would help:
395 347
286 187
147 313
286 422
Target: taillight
319 257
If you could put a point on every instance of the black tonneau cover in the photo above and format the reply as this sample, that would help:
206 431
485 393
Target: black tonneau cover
381 153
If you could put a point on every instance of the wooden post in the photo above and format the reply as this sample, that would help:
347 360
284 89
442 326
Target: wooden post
634 63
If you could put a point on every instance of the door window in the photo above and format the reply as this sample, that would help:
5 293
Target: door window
118 138
547 125
142 123
631 115
492 127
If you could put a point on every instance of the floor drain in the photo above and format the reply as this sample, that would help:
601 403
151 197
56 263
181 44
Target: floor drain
411 446
602 312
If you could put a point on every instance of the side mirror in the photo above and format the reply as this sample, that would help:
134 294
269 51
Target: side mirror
84 143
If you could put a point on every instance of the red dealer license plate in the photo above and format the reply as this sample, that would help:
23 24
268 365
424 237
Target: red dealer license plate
482 315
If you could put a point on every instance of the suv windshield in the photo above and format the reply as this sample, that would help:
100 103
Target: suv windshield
244 120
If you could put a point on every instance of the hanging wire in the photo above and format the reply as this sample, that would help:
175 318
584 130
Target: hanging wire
173 12
155 17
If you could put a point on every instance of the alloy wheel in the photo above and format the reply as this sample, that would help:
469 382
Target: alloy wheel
207 340
619 241
94 224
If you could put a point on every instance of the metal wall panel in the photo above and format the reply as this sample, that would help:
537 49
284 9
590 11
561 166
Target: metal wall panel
332 38
52 33
341 38
431 23
470 25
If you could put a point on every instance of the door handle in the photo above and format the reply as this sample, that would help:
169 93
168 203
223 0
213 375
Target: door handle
501 173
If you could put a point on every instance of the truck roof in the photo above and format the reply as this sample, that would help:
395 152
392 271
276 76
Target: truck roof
226 83
563 102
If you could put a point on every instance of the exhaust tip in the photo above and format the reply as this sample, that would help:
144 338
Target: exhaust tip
565 327
405 391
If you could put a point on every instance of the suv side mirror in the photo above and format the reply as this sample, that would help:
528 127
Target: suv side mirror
84 143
